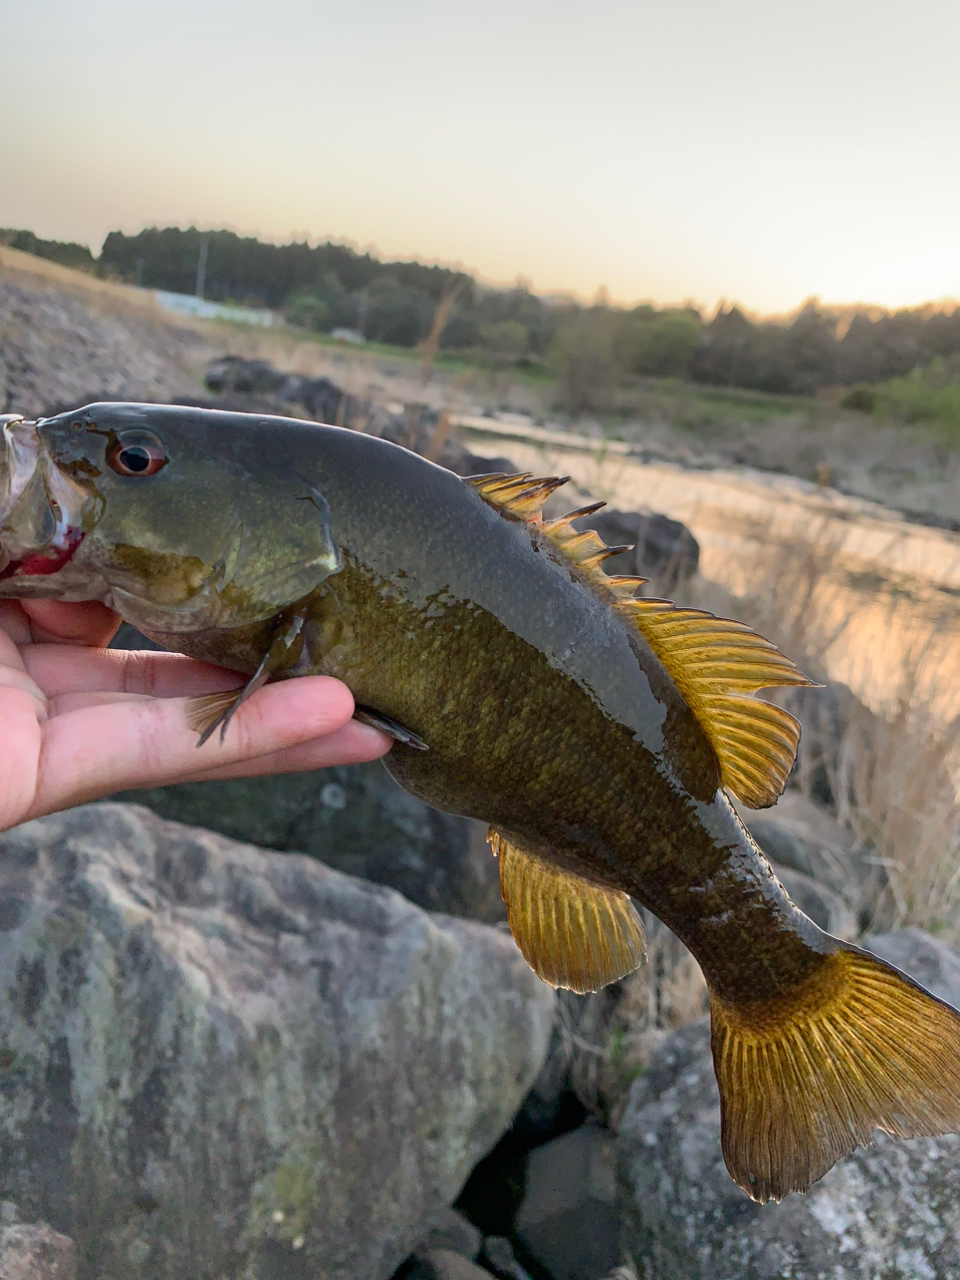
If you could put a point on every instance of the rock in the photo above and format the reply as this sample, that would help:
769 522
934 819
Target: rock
451 1230
499 1257
235 373
357 820
568 1218
824 908
444 1264
890 1210
663 549
322 398
220 1061
36 1252
799 835
930 962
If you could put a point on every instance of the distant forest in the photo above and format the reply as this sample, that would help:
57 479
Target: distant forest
588 348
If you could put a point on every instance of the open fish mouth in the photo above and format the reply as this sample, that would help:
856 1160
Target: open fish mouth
40 508
49 560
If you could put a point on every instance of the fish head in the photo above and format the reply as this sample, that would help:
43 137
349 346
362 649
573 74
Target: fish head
179 519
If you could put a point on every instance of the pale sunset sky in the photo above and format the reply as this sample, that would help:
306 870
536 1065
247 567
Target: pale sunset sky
754 150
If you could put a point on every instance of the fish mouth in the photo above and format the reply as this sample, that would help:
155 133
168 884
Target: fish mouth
40 508
47 560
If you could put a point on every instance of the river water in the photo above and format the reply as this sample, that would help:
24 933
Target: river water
879 595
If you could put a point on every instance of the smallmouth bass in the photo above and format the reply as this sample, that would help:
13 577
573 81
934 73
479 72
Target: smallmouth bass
595 732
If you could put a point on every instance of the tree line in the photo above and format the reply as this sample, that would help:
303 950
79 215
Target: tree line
589 349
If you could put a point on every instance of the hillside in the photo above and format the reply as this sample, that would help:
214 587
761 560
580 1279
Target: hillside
66 337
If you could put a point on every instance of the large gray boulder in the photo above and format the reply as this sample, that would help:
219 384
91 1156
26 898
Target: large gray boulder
356 819
568 1218
891 1210
216 1061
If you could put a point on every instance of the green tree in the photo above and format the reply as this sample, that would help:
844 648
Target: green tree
583 359
504 341
660 343
308 311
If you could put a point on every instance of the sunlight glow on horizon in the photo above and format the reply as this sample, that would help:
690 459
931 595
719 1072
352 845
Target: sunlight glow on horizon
666 153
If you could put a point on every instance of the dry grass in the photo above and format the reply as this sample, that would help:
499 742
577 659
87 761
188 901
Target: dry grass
94 292
892 773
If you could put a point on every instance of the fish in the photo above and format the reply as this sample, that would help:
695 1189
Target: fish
600 734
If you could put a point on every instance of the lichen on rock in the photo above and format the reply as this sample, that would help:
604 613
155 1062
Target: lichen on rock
220 1061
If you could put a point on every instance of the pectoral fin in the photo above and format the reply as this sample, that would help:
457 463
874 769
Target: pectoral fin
572 933
215 710
390 727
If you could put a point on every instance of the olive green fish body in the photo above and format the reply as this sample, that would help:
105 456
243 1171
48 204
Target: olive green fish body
596 733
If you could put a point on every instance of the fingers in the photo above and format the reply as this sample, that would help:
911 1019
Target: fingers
61 670
87 623
355 743
92 751
22 743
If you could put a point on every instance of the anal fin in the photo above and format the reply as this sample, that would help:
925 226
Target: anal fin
573 933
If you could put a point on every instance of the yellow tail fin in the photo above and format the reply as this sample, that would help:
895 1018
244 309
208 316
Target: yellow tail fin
860 1047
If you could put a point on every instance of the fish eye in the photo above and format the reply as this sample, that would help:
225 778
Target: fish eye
137 453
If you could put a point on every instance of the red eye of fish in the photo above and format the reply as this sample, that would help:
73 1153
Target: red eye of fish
137 453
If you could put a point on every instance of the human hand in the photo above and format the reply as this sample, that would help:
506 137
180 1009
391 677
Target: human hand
80 721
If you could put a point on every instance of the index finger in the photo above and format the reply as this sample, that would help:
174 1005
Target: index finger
62 669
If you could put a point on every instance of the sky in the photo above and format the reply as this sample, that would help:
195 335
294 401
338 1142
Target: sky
758 151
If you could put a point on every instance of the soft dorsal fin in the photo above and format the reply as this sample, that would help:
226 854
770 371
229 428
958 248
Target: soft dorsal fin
572 933
716 663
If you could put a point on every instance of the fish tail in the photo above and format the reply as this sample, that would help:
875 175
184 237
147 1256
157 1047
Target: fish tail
806 1078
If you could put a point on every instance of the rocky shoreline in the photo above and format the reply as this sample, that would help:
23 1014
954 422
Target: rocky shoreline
221 1061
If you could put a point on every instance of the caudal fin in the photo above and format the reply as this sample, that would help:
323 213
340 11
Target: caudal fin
861 1047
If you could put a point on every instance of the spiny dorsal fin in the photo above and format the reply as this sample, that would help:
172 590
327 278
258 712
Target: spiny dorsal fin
521 495
572 933
587 550
717 664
